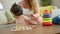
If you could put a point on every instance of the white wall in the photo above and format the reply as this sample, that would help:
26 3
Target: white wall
0 0
8 3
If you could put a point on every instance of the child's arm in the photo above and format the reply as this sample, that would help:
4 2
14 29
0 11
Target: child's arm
29 21
11 22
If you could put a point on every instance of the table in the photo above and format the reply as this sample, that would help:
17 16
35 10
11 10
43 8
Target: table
39 30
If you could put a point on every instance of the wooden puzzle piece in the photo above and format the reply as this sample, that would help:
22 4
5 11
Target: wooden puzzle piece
18 28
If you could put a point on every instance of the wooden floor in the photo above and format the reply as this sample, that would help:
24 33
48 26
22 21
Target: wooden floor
39 30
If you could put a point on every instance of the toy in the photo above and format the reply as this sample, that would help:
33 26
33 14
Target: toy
56 20
17 28
47 23
47 20
46 15
21 27
46 12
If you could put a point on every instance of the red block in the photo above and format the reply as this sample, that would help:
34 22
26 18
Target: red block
47 23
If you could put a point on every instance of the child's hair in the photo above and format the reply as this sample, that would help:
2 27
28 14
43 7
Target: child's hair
16 10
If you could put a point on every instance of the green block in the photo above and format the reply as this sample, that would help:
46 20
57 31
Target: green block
47 19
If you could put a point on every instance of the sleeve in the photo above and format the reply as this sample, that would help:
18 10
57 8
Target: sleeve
9 16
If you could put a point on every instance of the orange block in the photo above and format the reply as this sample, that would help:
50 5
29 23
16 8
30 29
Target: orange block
46 12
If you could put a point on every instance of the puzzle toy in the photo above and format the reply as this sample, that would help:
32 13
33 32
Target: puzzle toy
21 27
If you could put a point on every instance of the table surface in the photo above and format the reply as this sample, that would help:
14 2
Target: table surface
39 30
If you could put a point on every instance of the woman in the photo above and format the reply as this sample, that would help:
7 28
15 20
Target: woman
31 10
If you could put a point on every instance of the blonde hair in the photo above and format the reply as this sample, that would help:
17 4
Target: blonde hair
32 5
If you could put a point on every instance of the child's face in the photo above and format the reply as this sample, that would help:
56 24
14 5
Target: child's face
15 16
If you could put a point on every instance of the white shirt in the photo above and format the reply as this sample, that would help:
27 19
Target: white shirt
27 12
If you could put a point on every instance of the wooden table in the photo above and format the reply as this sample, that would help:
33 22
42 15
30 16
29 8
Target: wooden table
39 30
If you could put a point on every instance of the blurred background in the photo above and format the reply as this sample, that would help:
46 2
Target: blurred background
8 3
53 6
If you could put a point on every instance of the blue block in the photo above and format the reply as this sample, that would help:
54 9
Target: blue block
46 16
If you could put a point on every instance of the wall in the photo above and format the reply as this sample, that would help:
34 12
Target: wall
1 1
8 3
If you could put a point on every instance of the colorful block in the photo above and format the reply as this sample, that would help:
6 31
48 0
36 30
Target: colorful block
47 19
46 12
47 23
46 15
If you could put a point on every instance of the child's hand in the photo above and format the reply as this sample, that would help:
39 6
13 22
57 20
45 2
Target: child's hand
28 22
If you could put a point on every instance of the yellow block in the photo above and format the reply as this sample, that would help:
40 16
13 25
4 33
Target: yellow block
48 21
